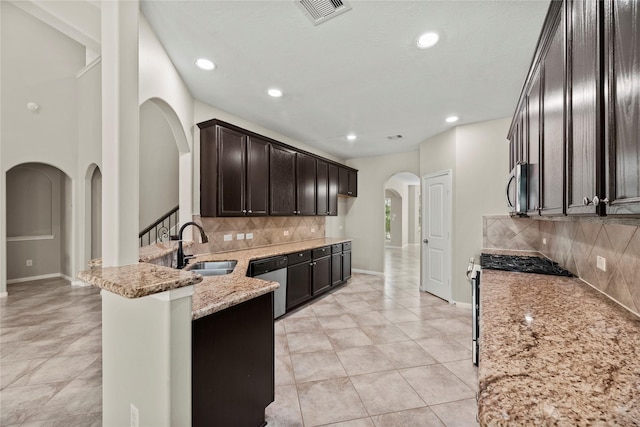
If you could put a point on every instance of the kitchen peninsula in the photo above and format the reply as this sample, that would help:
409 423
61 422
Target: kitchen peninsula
185 317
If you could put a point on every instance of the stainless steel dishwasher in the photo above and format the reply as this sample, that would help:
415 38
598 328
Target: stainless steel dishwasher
274 270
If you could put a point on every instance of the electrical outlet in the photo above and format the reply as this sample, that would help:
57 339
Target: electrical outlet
240 236
249 236
228 237
601 263
286 232
544 240
29 263
134 418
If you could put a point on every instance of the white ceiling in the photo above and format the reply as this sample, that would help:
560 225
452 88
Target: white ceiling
359 72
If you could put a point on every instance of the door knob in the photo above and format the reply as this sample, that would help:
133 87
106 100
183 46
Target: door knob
426 240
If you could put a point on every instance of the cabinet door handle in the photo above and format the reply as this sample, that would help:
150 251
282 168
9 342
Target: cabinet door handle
250 211
597 200
586 201
244 211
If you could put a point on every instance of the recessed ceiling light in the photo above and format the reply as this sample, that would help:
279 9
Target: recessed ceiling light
205 64
276 93
351 137
452 119
427 40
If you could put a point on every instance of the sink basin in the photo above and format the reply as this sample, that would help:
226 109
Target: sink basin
213 268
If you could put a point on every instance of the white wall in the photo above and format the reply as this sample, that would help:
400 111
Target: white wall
159 165
365 214
414 231
477 154
481 169
38 64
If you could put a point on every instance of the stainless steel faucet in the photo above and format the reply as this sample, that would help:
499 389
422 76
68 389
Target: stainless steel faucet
181 258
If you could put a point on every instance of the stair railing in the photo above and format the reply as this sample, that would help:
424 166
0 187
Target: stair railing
161 230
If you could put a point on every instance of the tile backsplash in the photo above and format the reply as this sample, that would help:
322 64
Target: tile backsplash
575 244
268 230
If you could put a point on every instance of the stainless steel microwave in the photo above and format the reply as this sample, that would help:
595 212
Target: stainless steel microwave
517 190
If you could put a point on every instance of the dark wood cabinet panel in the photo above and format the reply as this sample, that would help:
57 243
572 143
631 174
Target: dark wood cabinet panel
298 284
257 191
347 182
346 265
353 183
321 275
305 184
343 181
333 190
585 148
336 268
322 188
553 117
208 172
533 146
231 171
622 48
231 385
282 188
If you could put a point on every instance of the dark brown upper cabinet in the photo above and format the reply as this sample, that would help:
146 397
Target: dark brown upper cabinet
585 138
322 188
532 114
305 184
234 173
282 181
553 121
622 130
333 189
347 182
243 173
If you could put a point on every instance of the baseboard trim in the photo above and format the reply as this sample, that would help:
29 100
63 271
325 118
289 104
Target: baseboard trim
463 305
79 283
28 279
369 272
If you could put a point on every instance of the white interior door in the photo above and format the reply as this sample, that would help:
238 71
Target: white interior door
436 234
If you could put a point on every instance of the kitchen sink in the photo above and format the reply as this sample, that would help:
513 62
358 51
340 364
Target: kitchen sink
213 268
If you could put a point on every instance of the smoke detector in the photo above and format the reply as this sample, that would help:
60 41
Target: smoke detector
319 11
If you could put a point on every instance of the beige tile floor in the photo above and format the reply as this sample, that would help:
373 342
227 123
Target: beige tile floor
375 352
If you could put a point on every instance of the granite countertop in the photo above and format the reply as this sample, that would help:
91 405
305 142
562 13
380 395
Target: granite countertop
151 252
139 280
215 293
554 351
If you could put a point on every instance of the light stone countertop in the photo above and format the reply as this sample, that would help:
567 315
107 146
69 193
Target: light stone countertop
215 293
554 351
138 280
212 293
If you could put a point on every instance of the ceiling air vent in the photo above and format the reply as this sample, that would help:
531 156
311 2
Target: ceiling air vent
319 11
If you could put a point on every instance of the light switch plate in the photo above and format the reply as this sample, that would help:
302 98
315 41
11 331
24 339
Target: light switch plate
601 263
313 230
249 236
286 232
228 237
544 240
240 236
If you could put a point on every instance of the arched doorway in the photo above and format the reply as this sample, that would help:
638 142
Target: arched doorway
39 212
402 228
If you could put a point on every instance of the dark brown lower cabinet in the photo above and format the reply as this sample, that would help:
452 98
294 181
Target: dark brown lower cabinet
336 268
321 274
233 365
346 265
298 279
